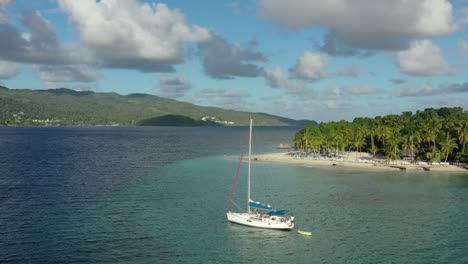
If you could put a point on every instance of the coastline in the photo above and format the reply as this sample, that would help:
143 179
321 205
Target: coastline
355 160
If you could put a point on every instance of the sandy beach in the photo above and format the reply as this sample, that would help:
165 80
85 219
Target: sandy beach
357 161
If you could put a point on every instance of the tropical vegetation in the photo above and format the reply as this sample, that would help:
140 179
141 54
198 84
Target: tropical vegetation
176 120
433 135
65 107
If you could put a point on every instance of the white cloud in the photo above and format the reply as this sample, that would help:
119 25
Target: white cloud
222 60
463 48
39 45
427 89
174 85
377 24
276 78
311 66
131 34
347 91
3 5
8 70
423 58
423 90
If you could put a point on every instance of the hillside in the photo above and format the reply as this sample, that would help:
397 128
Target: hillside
65 107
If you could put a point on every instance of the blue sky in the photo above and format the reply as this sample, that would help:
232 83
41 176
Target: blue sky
303 59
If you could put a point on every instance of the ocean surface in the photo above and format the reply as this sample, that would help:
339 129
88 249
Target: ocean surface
159 195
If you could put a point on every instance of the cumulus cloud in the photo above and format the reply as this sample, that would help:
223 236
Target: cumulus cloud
423 59
8 70
352 91
378 24
423 90
66 73
454 88
428 90
3 5
174 85
334 46
133 35
276 78
311 66
39 45
222 60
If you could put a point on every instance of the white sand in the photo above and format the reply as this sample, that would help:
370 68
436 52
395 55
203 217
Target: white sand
356 160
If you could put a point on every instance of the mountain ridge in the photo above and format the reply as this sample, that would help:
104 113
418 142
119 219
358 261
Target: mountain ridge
67 107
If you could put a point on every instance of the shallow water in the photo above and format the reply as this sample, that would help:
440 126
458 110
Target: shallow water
158 195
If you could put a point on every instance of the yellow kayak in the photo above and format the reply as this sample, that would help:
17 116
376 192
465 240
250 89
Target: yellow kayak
305 233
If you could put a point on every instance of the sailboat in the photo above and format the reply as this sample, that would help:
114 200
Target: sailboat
258 214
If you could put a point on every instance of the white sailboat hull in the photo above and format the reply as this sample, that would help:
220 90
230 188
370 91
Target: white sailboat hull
270 222
262 215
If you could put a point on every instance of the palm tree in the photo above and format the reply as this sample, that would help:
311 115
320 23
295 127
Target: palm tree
307 136
408 135
393 148
448 146
379 132
407 146
358 142
362 133
371 133
386 133
429 134
317 142
434 129
433 154
433 134
374 150
463 134
298 140
339 141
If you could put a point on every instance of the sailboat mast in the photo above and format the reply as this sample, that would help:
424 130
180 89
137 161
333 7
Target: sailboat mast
250 160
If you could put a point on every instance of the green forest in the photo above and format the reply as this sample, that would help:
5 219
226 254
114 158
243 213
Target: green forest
433 135
65 107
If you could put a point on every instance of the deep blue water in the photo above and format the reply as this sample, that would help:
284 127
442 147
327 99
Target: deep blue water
158 195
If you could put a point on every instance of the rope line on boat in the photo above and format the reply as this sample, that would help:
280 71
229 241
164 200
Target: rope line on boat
237 173
238 207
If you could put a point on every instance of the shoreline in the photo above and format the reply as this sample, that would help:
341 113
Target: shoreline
355 160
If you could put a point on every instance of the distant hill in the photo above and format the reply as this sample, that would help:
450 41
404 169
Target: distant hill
176 120
65 107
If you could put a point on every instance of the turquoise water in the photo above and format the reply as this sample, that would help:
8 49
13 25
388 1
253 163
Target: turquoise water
355 217
158 195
